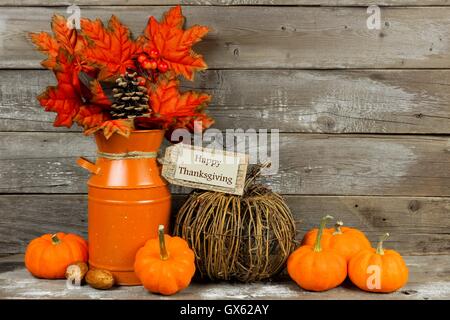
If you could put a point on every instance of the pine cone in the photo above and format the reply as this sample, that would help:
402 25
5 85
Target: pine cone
130 99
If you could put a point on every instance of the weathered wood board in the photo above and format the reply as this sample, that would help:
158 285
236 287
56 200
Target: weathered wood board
330 101
228 2
418 226
428 280
270 37
44 162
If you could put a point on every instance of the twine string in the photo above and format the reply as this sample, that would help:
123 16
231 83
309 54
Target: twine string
127 155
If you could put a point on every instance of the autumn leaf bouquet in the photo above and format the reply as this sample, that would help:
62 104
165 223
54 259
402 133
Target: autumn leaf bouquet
111 82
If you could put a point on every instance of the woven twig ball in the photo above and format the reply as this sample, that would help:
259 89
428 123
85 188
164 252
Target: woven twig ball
245 238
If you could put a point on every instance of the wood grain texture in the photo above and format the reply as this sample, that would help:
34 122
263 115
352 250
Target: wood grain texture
418 226
270 37
330 101
428 279
43 162
228 2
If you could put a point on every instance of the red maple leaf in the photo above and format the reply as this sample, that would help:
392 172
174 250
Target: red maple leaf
65 98
111 50
62 99
174 43
98 95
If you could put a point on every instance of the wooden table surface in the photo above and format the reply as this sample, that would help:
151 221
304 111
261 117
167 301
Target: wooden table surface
429 279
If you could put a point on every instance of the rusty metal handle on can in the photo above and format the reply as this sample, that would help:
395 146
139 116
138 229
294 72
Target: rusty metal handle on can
88 165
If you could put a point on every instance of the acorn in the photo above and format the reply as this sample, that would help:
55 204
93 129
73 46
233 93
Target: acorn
100 279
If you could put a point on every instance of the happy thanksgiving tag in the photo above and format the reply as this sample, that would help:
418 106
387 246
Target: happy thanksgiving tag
203 168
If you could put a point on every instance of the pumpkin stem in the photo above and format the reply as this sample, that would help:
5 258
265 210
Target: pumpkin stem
55 239
323 223
380 243
162 243
337 227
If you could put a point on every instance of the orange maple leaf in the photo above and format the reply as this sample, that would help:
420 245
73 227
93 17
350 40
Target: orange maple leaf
63 38
111 50
90 116
109 127
172 109
66 71
167 101
48 45
174 43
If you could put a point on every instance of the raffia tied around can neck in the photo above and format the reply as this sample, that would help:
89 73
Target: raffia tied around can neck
127 155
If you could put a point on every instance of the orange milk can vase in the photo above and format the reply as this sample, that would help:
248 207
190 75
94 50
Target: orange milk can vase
127 200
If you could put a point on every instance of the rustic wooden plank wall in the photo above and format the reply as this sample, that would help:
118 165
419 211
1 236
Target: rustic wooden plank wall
364 115
272 37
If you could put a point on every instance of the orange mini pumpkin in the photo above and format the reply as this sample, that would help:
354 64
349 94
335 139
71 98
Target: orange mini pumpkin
378 270
315 268
165 265
345 240
49 255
